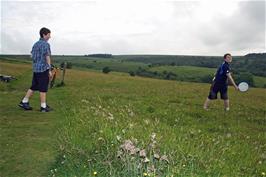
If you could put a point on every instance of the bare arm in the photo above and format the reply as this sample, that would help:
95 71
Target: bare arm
48 60
232 80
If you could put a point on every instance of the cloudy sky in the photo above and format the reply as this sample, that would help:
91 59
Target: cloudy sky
135 27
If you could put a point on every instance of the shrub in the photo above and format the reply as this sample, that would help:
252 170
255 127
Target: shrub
106 70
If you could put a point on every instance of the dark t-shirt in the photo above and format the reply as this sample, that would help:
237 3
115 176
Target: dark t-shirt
220 76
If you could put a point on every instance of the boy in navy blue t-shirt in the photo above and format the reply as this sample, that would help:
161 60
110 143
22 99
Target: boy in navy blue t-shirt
220 83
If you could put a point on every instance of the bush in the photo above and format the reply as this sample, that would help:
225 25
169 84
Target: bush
244 77
106 70
131 73
206 79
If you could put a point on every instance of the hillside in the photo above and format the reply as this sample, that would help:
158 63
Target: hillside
99 121
249 68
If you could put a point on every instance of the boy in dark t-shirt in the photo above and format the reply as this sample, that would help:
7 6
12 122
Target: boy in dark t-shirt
220 83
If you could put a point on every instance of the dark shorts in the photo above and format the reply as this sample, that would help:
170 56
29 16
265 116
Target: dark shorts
40 81
215 88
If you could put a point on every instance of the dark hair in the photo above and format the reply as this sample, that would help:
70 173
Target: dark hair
44 31
225 55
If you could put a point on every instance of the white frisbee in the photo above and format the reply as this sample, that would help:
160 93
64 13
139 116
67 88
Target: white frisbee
243 86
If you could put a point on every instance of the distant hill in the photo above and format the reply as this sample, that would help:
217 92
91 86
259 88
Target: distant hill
247 67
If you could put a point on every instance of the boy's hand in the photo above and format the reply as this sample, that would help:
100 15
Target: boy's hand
236 87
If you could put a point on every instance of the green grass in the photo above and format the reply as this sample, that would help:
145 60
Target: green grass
189 73
95 113
260 81
126 65
27 138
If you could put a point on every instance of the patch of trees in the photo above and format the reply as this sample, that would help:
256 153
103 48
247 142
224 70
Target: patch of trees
100 55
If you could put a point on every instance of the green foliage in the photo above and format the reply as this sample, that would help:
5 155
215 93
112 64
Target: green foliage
244 77
100 55
254 64
131 73
106 70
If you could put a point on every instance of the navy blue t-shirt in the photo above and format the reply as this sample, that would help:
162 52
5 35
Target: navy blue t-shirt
220 76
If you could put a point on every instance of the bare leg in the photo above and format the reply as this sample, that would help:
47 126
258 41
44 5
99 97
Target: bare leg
43 97
206 104
226 105
27 96
29 93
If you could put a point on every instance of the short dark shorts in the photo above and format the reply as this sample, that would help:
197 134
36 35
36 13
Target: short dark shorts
40 81
215 88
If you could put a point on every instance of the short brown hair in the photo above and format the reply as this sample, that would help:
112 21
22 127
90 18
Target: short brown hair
44 31
225 55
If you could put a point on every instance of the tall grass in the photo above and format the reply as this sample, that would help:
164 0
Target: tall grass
110 111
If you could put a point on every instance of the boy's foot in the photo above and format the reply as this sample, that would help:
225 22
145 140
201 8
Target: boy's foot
46 109
25 106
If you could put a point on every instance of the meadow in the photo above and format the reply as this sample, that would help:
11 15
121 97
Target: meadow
200 69
117 125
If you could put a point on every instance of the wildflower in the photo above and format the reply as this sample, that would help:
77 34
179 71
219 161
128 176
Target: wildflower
84 101
165 158
110 116
100 139
151 169
228 135
119 154
142 153
146 121
156 156
263 173
95 173
153 135
131 114
118 138
145 174
131 125
146 160
128 146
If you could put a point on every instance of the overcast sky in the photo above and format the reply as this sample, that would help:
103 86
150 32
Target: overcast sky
135 27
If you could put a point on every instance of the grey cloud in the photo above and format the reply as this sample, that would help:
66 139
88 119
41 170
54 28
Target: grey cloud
177 33
244 30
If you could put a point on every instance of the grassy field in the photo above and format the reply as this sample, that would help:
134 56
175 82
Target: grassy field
117 125
187 73
260 81
136 64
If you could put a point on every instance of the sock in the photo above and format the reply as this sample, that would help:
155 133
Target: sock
25 100
227 109
43 105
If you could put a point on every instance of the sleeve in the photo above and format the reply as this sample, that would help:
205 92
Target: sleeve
46 50
226 69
